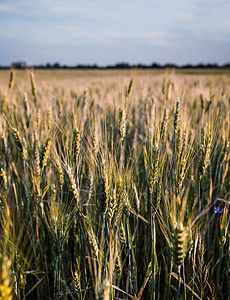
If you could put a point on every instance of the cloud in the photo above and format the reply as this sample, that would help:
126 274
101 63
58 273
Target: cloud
93 10
158 38
5 8
185 17
120 26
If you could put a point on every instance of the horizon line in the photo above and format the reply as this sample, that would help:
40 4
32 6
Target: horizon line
119 65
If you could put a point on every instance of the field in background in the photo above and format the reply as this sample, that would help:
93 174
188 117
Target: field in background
64 74
114 184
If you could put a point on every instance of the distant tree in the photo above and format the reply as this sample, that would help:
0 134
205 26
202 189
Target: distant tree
199 66
122 66
156 66
226 66
170 66
18 65
56 65
188 66
211 66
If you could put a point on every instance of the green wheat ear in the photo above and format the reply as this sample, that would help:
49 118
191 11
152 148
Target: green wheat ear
76 276
3 178
102 193
76 143
45 153
164 126
177 117
205 151
122 123
93 241
181 176
128 91
180 242
60 173
27 110
11 80
19 143
37 158
49 119
136 200
73 186
33 87
112 203
118 266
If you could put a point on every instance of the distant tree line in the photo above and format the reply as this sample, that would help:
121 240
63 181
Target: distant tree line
22 65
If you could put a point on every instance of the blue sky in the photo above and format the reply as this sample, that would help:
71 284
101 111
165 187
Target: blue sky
107 32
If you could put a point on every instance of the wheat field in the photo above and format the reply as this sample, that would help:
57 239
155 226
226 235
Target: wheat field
114 184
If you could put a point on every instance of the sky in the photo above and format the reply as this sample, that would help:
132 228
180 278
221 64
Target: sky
106 32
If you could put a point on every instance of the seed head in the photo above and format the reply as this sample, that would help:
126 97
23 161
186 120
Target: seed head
122 124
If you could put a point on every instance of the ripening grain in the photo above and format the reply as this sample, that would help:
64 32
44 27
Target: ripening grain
114 185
